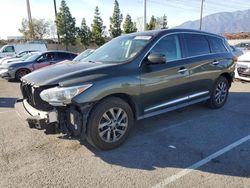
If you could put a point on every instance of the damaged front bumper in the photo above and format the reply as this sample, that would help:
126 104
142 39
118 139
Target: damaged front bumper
71 120
40 117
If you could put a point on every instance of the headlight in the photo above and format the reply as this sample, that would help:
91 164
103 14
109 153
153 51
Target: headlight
62 95
11 68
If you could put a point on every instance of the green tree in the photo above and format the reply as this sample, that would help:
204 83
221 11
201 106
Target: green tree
35 30
66 25
164 24
84 33
115 21
97 29
129 26
152 23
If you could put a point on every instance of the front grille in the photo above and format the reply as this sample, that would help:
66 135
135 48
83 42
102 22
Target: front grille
32 94
243 72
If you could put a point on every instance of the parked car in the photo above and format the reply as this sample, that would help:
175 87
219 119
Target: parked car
13 49
18 59
243 46
83 55
19 55
242 70
132 77
17 70
236 51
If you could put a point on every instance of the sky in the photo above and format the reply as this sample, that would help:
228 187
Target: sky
178 11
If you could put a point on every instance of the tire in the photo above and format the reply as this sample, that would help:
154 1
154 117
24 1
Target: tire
21 72
219 93
106 131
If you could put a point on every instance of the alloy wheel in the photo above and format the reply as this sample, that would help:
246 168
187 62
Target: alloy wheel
113 125
221 92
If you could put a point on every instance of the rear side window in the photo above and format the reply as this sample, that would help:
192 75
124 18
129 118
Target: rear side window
64 56
196 45
217 45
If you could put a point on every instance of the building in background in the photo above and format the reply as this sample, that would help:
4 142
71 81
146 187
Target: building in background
14 37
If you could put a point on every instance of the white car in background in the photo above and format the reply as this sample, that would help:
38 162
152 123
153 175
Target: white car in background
20 59
242 70
13 49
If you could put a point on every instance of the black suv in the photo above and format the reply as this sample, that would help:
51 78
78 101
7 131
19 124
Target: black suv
132 77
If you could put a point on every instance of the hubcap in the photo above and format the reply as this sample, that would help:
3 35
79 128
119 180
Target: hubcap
113 125
221 93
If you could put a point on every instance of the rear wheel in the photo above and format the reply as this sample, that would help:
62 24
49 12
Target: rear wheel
21 72
109 123
219 93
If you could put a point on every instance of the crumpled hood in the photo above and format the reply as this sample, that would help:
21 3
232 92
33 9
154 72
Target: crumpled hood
66 73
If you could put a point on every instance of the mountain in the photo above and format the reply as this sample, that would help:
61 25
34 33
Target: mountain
223 22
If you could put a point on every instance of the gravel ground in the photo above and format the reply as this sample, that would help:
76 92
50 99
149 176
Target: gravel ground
158 149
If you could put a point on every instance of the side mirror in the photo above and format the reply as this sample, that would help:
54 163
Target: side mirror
157 58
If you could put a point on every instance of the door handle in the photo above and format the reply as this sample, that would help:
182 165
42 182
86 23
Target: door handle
216 63
182 70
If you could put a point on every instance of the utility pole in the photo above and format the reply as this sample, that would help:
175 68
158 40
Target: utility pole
30 20
202 2
58 37
29 12
145 15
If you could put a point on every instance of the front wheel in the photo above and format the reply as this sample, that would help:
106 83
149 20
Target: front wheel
219 94
109 123
21 72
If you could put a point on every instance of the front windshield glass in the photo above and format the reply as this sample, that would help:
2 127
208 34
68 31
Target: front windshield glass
119 49
83 55
33 57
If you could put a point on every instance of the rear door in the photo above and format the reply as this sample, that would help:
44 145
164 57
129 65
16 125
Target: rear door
200 63
63 56
164 85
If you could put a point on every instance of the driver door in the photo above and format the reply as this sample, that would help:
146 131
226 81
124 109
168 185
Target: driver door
44 60
164 85
9 51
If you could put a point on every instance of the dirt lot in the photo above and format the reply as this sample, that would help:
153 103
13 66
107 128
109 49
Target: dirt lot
193 147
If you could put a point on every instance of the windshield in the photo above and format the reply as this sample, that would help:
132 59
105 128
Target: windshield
120 49
33 57
82 55
25 57
1 49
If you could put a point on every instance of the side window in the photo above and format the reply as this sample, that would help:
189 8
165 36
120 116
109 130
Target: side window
64 56
217 45
9 49
45 57
168 46
196 45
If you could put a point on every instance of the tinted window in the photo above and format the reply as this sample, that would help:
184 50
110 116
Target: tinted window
196 45
217 45
9 49
168 46
63 56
